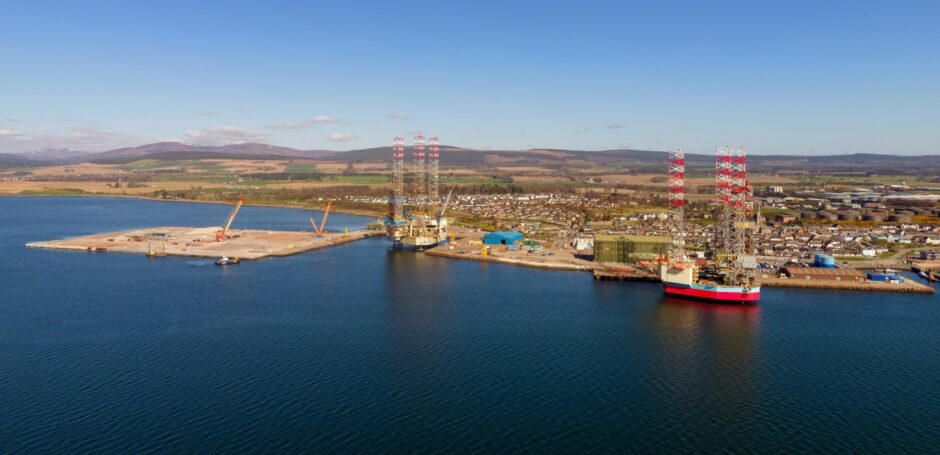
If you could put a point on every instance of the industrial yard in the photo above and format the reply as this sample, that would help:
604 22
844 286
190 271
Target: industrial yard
202 242
473 244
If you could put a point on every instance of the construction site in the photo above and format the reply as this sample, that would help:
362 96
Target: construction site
226 244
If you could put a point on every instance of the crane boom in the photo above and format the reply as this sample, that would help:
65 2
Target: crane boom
326 213
319 230
446 202
228 223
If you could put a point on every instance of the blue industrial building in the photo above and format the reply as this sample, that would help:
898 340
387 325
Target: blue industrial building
824 260
885 277
502 238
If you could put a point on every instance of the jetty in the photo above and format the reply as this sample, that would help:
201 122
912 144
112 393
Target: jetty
909 286
537 261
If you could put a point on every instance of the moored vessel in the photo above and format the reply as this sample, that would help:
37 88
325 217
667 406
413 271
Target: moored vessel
686 280
730 275
227 261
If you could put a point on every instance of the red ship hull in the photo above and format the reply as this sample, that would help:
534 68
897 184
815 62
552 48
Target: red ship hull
720 294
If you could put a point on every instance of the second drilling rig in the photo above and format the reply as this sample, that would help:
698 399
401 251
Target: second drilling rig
415 219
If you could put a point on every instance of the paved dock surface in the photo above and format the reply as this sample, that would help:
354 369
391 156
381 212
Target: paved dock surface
201 242
908 286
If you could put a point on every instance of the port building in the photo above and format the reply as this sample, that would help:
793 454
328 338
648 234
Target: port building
502 238
628 248
822 274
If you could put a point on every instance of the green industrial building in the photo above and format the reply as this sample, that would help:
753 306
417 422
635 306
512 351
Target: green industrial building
628 248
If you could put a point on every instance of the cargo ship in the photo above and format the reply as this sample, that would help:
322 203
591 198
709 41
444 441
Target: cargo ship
686 280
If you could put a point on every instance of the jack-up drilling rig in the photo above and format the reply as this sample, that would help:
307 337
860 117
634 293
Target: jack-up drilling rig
730 276
412 221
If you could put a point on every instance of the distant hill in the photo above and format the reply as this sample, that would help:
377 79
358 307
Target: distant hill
249 148
54 154
634 160
186 156
8 160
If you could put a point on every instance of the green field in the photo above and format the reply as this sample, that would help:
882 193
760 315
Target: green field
475 181
301 168
361 179
150 165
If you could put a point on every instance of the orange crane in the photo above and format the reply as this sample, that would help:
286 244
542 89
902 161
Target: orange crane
319 230
223 233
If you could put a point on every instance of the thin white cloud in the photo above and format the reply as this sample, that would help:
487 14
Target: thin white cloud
8 120
222 135
615 126
79 138
307 123
398 116
341 137
325 119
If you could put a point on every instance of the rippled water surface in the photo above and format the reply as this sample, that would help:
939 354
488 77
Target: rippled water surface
361 348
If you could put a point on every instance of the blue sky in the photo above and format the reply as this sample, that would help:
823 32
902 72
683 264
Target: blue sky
779 77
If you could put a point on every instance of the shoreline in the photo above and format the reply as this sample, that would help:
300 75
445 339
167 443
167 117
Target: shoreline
598 271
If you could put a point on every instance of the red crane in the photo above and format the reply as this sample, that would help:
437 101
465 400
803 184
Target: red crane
222 234
319 231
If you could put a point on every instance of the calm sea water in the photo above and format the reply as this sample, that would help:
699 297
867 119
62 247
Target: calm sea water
360 348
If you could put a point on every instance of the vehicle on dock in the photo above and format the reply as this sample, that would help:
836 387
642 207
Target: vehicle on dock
227 261
537 249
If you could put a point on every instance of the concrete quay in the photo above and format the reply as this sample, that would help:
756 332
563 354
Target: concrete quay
201 242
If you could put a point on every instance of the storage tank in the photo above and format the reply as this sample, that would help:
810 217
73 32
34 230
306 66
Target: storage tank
877 217
824 260
900 218
847 215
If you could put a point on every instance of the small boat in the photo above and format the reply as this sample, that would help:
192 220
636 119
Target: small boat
923 275
227 261
537 249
